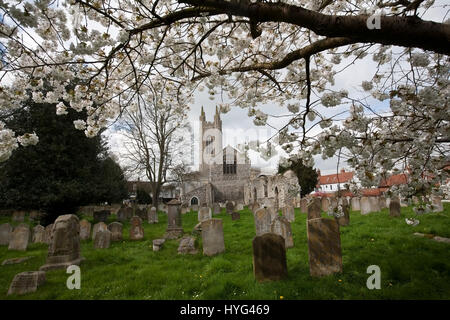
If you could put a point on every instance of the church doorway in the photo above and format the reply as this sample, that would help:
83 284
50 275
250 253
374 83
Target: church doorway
194 201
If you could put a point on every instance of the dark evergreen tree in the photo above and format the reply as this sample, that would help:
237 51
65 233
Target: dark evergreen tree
307 176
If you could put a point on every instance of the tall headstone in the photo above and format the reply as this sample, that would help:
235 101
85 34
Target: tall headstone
262 221
5 234
314 209
269 257
152 215
85 230
355 204
216 208
325 203
289 213
365 205
304 205
64 248
38 234
324 247
174 224
212 237
394 207
374 204
26 282
20 238
229 207
102 239
282 227
136 229
204 214
101 226
116 229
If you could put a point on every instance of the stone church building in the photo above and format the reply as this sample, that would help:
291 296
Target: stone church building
225 174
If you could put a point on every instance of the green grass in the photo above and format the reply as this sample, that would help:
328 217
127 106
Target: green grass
411 267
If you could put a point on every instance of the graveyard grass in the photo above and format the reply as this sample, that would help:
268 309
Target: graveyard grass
411 267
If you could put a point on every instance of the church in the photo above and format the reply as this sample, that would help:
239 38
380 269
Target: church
226 174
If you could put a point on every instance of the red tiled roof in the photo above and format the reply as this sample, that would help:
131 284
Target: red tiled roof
336 178
395 179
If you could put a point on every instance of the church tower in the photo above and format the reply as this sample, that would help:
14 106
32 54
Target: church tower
210 151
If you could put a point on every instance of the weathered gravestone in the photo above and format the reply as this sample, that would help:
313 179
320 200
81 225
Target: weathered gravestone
365 205
325 203
158 244
20 238
124 213
5 234
136 229
382 201
38 234
273 213
314 209
152 215
216 208
64 248
18 216
48 234
282 227
262 221
204 214
229 207
174 224
85 230
116 229
355 204
187 246
437 204
289 213
235 216
394 207
374 204
269 257
324 247
304 205
26 282
102 239
212 237
101 216
101 226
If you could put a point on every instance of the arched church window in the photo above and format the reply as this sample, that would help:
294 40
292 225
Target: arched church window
194 201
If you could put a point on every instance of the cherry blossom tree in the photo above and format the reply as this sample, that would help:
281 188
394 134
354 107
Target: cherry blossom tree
286 53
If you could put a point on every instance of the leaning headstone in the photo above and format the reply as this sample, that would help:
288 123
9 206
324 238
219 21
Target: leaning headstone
212 237
374 204
304 205
18 216
85 230
5 234
20 238
229 207
289 213
174 225
269 257
282 227
324 247
187 246
116 231
204 214
324 204
437 204
235 216
355 204
64 248
38 234
136 229
48 234
314 209
101 226
216 208
262 221
158 244
152 215
394 207
102 239
365 205
26 282
102 215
